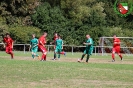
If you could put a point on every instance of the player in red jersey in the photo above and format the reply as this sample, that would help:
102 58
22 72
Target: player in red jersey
8 45
116 48
54 40
41 45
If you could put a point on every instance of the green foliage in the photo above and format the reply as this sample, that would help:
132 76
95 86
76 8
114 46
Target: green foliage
3 28
16 11
23 34
50 19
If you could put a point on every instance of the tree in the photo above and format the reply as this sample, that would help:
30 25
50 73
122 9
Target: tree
22 34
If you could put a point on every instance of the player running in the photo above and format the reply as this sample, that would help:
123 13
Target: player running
8 45
34 46
116 48
88 50
58 47
54 40
41 45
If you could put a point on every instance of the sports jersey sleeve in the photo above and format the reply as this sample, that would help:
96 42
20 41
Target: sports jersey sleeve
40 40
11 42
4 40
36 41
91 42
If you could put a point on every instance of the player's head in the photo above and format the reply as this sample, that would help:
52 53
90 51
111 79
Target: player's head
55 34
7 35
114 36
33 35
87 36
44 34
59 37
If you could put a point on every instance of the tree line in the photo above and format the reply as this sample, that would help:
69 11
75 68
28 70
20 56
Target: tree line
72 19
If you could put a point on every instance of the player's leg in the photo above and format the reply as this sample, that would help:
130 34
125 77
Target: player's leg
44 53
88 56
63 53
118 52
113 54
82 57
59 51
32 53
7 50
11 53
55 52
89 52
35 52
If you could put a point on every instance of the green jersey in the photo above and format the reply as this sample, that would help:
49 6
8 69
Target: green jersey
34 43
91 42
59 43
89 48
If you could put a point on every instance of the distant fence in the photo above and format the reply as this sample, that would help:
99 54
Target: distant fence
70 48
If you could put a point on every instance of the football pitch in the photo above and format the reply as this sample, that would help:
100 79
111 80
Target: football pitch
100 72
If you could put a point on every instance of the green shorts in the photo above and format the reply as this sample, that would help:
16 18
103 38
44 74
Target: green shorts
58 50
34 49
88 51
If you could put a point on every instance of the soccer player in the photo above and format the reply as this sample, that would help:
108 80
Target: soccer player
58 47
8 45
116 48
54 40
34 46
88 50
41 45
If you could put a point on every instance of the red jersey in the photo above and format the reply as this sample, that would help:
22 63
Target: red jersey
116 42
8 41
43 40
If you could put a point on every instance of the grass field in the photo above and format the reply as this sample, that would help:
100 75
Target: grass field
100 72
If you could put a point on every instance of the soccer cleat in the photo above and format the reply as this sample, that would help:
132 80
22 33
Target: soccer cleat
41 60
121 59
113 60
64 53
79 60
54 59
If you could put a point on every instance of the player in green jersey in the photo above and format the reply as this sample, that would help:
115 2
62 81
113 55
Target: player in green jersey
58 47
34 46
88 50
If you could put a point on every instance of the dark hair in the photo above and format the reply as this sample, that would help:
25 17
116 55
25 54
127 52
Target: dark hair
7 34
59 36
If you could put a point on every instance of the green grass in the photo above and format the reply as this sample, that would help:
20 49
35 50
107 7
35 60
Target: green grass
63 74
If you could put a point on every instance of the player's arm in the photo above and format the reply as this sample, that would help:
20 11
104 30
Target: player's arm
62 44
12 43
41 43
55 45
88 43
36 43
